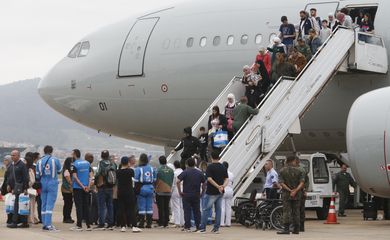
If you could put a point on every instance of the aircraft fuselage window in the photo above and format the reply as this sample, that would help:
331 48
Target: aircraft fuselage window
271 37
203 42
230 40
84 50
244 39
320 170
217 40
190 42
75 50
258 39
166 43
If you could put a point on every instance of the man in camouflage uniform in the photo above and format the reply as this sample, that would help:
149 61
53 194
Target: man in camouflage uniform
302 215
292 180
342 181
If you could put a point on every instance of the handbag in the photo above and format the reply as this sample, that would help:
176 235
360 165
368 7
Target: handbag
220 139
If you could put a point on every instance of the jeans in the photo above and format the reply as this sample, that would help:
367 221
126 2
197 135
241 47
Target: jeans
191 204
68 204
212 200
203 203
81 202
163 209
105 206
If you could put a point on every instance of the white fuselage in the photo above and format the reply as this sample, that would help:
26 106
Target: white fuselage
178 82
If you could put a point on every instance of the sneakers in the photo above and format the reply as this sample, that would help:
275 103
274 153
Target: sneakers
110 228
12 225
77 229
51 229
123 229
215 231
88 229
200 231
136 230
99 228
68 221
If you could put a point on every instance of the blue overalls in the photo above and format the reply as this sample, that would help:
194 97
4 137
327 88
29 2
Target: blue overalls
145 175
47 171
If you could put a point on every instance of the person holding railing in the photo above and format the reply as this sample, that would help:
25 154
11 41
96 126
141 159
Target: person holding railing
242 112
190 146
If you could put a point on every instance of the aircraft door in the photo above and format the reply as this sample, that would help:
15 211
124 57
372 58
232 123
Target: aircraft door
132 57
323 9
370 53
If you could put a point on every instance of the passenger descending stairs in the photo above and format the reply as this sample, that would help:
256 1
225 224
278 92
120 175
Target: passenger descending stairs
280 110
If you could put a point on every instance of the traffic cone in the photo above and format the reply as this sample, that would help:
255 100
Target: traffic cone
332 219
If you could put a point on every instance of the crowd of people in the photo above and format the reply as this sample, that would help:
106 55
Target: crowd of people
293 48
123 194
118 194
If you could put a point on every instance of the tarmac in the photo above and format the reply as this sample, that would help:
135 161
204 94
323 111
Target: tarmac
350 227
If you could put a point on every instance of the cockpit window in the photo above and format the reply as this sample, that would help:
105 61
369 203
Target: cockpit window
84 49
75 50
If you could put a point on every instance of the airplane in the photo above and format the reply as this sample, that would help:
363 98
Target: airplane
151 75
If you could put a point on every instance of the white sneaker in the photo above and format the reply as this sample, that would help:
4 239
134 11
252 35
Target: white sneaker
76 229
52 229
123 229
136 230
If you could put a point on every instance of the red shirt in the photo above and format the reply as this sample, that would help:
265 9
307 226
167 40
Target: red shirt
266 59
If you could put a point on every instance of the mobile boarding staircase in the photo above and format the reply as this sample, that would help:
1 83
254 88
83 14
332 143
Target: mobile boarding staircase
288 100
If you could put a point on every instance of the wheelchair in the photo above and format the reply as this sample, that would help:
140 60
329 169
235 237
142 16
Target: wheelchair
261 213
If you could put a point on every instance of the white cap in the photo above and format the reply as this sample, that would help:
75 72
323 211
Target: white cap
277 40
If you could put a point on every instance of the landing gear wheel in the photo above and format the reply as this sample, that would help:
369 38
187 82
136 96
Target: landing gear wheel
277 218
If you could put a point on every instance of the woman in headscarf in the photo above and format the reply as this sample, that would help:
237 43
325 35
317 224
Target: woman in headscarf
229 108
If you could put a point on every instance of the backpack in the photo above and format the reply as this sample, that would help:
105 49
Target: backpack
109 174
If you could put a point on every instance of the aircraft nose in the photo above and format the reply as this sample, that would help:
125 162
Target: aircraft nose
47 87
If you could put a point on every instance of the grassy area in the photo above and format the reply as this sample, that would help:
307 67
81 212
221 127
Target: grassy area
2 170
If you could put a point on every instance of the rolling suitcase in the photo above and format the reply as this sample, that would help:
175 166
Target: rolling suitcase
370 210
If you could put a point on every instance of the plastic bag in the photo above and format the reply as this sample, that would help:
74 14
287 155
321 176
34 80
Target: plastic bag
9 203
24 204
220 139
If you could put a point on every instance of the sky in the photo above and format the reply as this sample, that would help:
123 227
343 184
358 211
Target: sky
35 34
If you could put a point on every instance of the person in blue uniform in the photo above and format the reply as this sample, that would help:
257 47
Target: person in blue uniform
48 168
81 183
145 176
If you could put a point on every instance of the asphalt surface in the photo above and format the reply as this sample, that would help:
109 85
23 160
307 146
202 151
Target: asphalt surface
350 227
